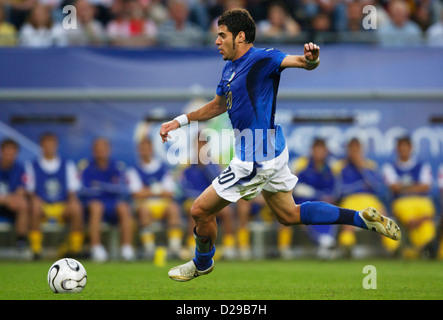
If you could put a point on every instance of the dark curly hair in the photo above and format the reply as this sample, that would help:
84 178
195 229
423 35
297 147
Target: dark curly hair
237 20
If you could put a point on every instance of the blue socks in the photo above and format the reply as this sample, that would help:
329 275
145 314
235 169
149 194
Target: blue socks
203 260
319 213
204 251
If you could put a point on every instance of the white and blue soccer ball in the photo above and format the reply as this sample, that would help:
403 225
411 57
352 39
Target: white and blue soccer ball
67 275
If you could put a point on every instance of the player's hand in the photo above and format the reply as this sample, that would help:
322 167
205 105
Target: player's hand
311 51
166 127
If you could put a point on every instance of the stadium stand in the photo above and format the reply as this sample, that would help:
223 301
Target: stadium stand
130 23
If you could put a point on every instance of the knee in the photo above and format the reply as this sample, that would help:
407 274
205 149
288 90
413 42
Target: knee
75 208
22 205
197 212
35 205
290 218
96 208
144 216
123 210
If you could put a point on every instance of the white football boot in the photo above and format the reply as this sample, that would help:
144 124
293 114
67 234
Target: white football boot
99 253
127 252
379 223
188 271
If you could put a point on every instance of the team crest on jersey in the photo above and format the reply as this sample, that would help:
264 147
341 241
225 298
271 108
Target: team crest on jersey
53 188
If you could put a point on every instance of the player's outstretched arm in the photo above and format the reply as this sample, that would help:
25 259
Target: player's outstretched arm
210 110
309 60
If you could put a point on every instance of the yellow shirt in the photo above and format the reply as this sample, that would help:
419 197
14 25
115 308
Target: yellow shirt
7 35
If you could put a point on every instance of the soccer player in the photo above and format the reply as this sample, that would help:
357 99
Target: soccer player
410 182
53 184
360 185
13 203
317 183
248 91
104 192
153 188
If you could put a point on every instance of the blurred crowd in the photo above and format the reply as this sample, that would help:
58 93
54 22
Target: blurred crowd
152 198
190 23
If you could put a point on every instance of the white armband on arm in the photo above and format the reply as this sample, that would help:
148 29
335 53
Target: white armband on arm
182 120
313 61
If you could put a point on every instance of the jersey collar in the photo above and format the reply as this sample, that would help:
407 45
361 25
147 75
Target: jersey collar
238 61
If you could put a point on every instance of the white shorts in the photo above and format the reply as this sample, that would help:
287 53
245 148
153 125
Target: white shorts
246 180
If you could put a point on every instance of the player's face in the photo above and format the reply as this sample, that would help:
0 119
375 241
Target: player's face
355 152
319 153
49 147
101 150
225 43
145 149
9 154
404 151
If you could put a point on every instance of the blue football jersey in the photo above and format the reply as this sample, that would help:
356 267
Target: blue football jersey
322 181
103 184
360 180
51 187
408 173
12 178
154 176
196 178
250 86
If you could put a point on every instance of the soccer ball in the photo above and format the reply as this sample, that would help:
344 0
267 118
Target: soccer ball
67 276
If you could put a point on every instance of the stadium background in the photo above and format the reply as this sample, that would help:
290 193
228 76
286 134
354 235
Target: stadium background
364 89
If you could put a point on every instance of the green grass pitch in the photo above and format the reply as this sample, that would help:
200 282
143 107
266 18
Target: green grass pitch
254 280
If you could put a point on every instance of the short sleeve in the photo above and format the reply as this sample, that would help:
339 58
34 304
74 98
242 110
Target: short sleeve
274 59
389 174
135 184
74 184
426 174
220 91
